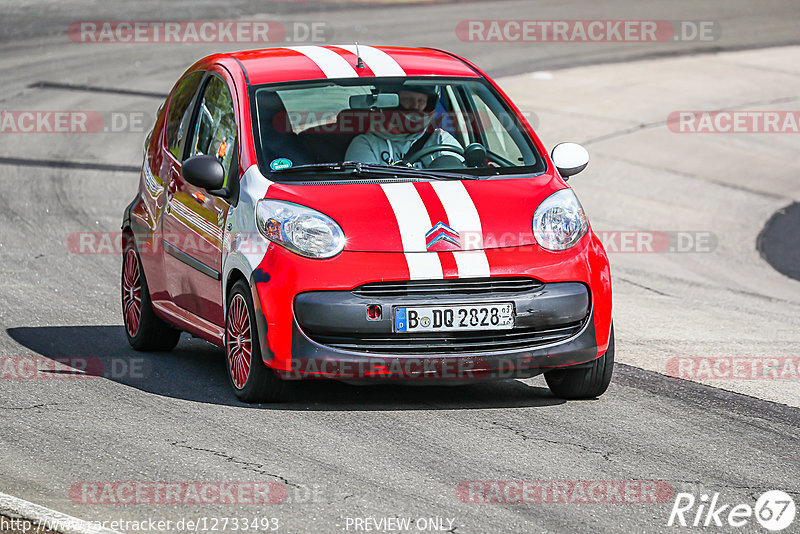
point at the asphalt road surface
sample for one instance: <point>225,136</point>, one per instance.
<point>347,453</point>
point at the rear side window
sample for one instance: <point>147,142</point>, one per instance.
<point>180,112</point>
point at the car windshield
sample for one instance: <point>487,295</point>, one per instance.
<point>430,126</point>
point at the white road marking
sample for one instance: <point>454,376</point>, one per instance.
<point>15,507</point>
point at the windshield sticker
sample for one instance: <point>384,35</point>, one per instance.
<point>280,164</point>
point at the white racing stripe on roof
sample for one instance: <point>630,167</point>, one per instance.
<point>378,61</point>
<point>331,63</point>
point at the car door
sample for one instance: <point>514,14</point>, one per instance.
<point>164,152</point>
<point>194,221</point>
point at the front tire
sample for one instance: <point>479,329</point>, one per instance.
<point>144,330</point>
<point>251,380</point>
<point>586,382</point>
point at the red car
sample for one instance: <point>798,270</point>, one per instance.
<point>363,214</point>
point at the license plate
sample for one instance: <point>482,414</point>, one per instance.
<point>447,318</point>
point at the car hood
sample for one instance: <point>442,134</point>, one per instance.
<point>427,216</point>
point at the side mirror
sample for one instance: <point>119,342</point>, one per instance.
<point>569,159</point>
<point>204,171</point>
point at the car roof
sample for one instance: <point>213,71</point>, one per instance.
<point>297,63</point>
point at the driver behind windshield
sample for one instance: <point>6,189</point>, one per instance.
<point>404,131</point>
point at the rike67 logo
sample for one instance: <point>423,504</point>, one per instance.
<point>774,510</point>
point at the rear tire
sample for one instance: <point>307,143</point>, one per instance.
<point>144,330</point>
<point>251,380</point>
<point>586,382</point>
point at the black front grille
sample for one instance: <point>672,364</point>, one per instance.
<point>450,342</point>
<point>458,286</point>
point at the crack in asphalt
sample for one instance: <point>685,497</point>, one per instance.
<point>588,61</point>
<point>521,433</point>
<point>59,164</point>
<point>663,122</point>
<point>95,89</point>
<point>248,466</point>
<point>735,406</point>
<point>642,286</point>
<point>692,176</point>
<point>44,405</point>
<point>699,285</point>
<point>12,96</point>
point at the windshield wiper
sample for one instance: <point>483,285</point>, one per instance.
<point>359,168</point>
<point>311,167</point>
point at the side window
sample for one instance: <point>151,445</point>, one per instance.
<point>454,119</point>
<point>498,138</point>
<point>180,112</point>
<point>215,129</point>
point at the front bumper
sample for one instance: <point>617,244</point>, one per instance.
<point>332,336</point>
<point>319,361</point>
<point>315,321</point>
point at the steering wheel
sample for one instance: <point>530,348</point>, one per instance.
<point>421,153</point>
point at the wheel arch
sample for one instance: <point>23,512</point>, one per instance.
<point>234,275</point>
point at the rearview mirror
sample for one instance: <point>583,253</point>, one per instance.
<point>204,171</point>
<point>569,159</point>
<point>380,101</point>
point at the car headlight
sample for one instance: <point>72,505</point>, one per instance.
<point>300,229</point>
<point>559,221</point>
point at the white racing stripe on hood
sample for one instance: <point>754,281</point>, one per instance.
<point>331,63</point>
<point>378,61</point>
<point>413,222</point>
<point>472,264</point>
<point>464,218</point>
